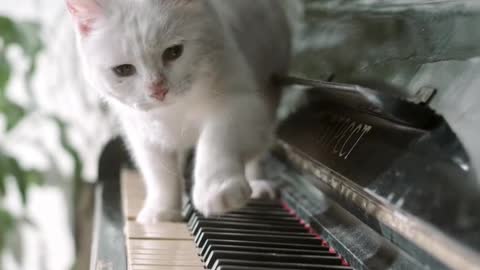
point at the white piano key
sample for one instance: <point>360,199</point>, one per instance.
<point>161,246</point>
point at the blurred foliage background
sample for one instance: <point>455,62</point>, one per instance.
<point>53,127</point>
<point>26,37</point>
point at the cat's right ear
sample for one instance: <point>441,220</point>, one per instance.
<point>85,14</point>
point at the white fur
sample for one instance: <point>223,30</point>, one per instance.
<point>220,98</point>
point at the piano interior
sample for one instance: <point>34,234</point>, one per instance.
<point>369,175</point>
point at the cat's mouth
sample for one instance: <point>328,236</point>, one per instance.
<point>152,103</point>
<point>147,106</point>
<point>159,92</point>
<point>160,95</point>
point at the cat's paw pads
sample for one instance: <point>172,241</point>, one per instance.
<point>262,189</point>
<point>220,197</point>
<point>151,216</point>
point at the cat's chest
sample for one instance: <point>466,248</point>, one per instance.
<point>171,131</point>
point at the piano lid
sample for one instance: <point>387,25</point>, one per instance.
<point>402,154</point>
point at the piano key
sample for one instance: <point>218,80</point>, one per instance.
<point>265,216</point>
<point>253,237</point>
<point>272,268</point>
<point>237,243</point>
<point>172,261</point>
<point>156,267</point>
<point>186,252</point>
<point>274,265</point>
<point>149,244</point>
<point>257,211</point>
<point>246,219</point>
<point>263,202</point>
<point>259,232</point>
<point>291,251</point>
<point>242,243</point>
<point>245,226</point>
<point>249,268</point>
<point>166,231</point>
<point>156,256</point>
<point>272,257</point>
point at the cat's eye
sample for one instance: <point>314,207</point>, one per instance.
<point>126,70</point>
<point>172,53</point>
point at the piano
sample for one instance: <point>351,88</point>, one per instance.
<point>367,180</point>
<point>368,177</point>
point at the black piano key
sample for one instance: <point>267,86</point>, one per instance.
<point>273,265</point>
<point>259,211</point>
<point>247,219</point>
<point>257,232</point>
<point>262,212</point>
<point>286,218</point>
<point>263,202</point>
<point>259,207</point>
<point>203,231</point>
<point>272,257</point>
<point>250,268</point>
<point>272,206</point>
<point>242,243</point>
<point>197,223</point>
<point>290,251</point>
<point>245,226</point>
<point>203,237</point>
<point>187,211</point>
<point>254,215</point>
<point>262,235</point>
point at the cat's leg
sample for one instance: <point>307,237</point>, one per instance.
<point>220,183</point>
<point>261,188</point>
<point>163,183</point>
<point>224,146</point>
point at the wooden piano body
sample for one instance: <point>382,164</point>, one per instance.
<point>380,179</point>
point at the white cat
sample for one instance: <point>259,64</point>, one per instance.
<point>188,73</point>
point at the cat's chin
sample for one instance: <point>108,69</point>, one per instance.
<point>150,106</point>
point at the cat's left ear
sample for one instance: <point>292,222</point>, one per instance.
<point>85,14</point>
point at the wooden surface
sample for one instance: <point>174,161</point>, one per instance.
<point>154,247</point>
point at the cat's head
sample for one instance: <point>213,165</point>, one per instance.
<point>145,54</point>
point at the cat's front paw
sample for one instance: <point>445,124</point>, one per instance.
<point>151,216</point>
<point>262,189</point>
<point>220,197</point>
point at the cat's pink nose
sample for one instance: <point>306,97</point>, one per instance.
<point>158,90</point>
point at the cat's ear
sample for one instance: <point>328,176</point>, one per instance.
<point>85,14</point>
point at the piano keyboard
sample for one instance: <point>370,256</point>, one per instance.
<point>265,235</point>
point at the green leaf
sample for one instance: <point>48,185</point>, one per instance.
<point>3,176</point>
<point>25,34</point>
<point>5,72</point>
<point>67,146</point>
<point>7,225</point>
<point>24,178</point>
<point>19,174</point>
<point>12,112</point>
<point>29,39</point>
<point>8,31</point>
